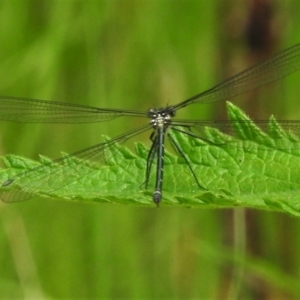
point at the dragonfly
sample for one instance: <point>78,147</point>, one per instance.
<point>161,122</point>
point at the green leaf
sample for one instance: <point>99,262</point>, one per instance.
<point>241,166</point>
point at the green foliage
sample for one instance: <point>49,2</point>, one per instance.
<point>135,54</point>
<point>252,168</point>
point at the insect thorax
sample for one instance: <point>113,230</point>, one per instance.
<point>161,117</point>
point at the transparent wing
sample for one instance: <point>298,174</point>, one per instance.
<point>41,111</point>
<point>60,172</point>
<point>278,66</point>
<point>245,129</point>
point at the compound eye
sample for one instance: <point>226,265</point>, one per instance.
<point>152,113</point>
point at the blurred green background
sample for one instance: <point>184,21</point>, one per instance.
<point>135,55</point>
